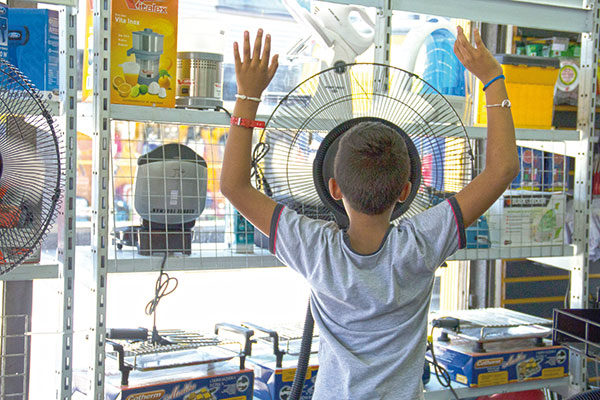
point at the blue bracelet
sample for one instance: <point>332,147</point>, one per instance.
<point>492,81</point>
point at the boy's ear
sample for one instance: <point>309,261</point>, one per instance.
<point>334,189</point>
<point>405,192</point>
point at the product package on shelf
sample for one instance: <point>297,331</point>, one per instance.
<point>503,363</point>
<point>240,233</point>
<point>274,383</point>
<point>143,52</point>
<point>557,168</point>
<point>4,31</point>
<point>531,169</point>
<point>530,82</point>
<point>274,360</point>
<point>525,218</point>
<point>567,84</point>
<point>33,47</point>
<point>224,381</point>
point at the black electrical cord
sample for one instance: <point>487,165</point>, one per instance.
<point>258,154</point>
<point>567,293</point>
<point>161,290</point>
<point>441,373</point>
<point>219,108</point>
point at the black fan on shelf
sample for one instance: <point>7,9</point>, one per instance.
<point>30,168</point>
<point>294,157</point>
<point>301,137</point>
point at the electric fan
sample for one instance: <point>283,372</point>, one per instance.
<point>30,168</point>
<point>300,140</point>
<point>295,155</point>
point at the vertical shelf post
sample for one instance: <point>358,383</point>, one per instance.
<point>579,277</point>
<point>100,192</point>
<point>383,32</point>
<point>66,248</point>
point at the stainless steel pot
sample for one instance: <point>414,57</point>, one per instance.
<point>199,80</point>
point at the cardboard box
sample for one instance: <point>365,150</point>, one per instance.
<point>143,52</point>
<point>33,47</point>
<point>502,363</point>
<point>531,170</point>
<point>557,169</point>
<point>3,31</point>
<point>522,218</point>
<point>273,383</point>
<point>218,381</point>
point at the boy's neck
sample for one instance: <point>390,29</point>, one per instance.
<point>366,232</point>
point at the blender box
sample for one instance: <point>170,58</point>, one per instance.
<point>143,52</point>
<point>33,47</point>
<point>531,169</point>
<point>525,218</point>
<point>274,383</point>
<point>503,362</point>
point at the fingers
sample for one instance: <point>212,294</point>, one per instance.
<point>478,40</point>
<point>236,55</point>
<point>461,45</point>
<point>266,55</point>
<point>273,66</point>
<point>257,45</point>
<point>246,46</point>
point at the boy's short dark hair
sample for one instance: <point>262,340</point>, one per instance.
<point>371,167</point>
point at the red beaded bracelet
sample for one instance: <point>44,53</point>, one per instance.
<point>247,123</point>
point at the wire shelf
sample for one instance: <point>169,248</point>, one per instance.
<point>14,357</point>
<point>579,330</point>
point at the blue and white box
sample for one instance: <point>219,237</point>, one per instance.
<point>3,31</point>
<point>33,47</point>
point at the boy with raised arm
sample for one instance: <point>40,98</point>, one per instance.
<point>370,284</point>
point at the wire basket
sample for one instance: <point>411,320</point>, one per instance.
<point>578,330</point>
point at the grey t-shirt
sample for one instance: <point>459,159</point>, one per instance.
<point>371,310</point>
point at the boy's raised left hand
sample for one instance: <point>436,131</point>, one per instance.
<point>477,59</point>
<point>254,72</point>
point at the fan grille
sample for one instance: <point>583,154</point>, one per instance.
<point>295,131</point>
<point>31,177</point>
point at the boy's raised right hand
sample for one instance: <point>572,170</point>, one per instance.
<point>254,73</point>
<point>478,59</point>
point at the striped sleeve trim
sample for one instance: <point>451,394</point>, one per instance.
<point>460,225</point>
<point>273,230</point>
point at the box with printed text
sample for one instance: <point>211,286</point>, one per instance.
<point>502,363</point>
<point>523,218</point>
<point>215,381</point>
<point>33,47</point>
<point>143,52</point>
<point>275,383</point>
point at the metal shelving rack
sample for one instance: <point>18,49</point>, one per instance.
<point>66,245</point>
<point>568,15</point>
<point>63,266</point>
